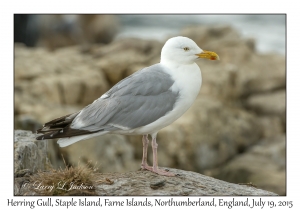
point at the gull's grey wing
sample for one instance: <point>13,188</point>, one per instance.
<point>135,101</point>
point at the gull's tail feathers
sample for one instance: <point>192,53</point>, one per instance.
<point>64,142</point>
<point>60,128</point>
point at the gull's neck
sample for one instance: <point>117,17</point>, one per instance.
<point>174,63</point>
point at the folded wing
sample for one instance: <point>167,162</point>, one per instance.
<point>135,101</point>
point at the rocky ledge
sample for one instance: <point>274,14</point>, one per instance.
<point>34,158</point>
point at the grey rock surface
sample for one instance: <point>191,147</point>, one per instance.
<point>187,183</point>
<point>273,103</point>
<point>28,152</point>
<point>264,165</point>
<point>145,183</point>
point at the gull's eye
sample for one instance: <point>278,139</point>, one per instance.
<point>186,49</point>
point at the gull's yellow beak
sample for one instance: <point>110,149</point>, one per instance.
<point>208,55</point>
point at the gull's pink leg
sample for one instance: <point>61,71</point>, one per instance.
<point>154,150</point>
<point>145,148</point>
<point>155,161</point>
<point>155,168</point>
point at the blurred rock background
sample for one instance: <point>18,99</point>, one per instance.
<point>235,131</point>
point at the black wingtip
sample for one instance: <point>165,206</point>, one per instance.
<point>38,130</point>
<point>40,137</point>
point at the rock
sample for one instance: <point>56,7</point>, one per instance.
<point>23,173</point>
<point>262,74</point>
<point>272,126</point>
<point>28,64</point>
<point>58,31</point>
<point>129,52</point>
<point>61,85</point>
<point>29,153</point>
<point>72,89</point>
<point>263,165</point>
<point>145,183</point>
<point>72,80</point>
<point>268,104</point>
<point>38,107</point>
<point>27,122</point>
<point>98,28</point>
<point>18,186</point>
<point>222,39</point>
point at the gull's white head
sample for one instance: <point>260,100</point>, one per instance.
<point>183,50</point>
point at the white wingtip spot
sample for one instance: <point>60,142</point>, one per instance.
<point>104,96</point>
<point>62,131</point>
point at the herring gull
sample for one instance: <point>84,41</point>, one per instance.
<point>141,104</point>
